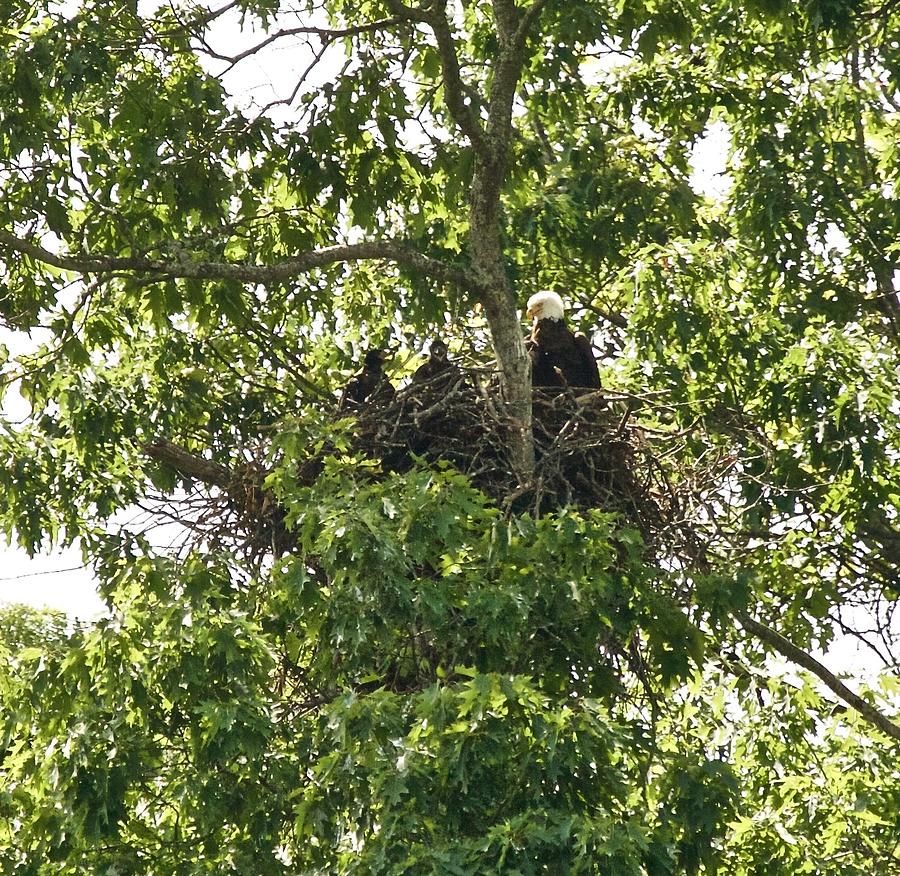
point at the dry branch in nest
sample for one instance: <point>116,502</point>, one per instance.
<point>235,510</point>
<point>590,453</point>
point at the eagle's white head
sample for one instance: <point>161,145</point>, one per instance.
<point>545,305</point>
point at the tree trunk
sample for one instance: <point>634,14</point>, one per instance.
<point>486,246</point>
<point>502,311</point>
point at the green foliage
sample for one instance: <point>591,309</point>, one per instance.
<point>424,681</point>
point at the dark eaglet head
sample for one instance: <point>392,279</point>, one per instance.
<point>375,358</point>
<point>438,350</point>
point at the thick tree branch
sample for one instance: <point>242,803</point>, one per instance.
<point>462,113</point>
<point>190,465</point>
<point>512,30</point>
<point>529,17</point>
<point>506,19</point>
<point>387,250</point>
<point>454,89</point>
<point>883,269</point>
<point>797,655</point>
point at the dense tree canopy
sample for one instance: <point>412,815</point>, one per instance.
<point>350,668</point>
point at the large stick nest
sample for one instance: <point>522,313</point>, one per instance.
<point>590,453</point>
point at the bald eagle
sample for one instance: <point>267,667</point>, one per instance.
<point>371,383</point>
<point>437,364</point>
<point>558,356</point>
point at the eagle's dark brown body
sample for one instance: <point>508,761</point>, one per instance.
<point>370,384</point>
<point>560,357</point>
<point>437,364</point>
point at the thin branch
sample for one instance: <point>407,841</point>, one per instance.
<point>797,655</point>
<point>78,568</point>
<point>888,94</point>
<point>317,57</point>
<point>389,250</point>
<point>859,131</point>
<point>540,132</point>
<point>885,9</point>
<point>325,33</point>
<point>201,20</point>
<point>192,26</point>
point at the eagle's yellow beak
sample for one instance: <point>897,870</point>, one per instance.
<point>532,311</point>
